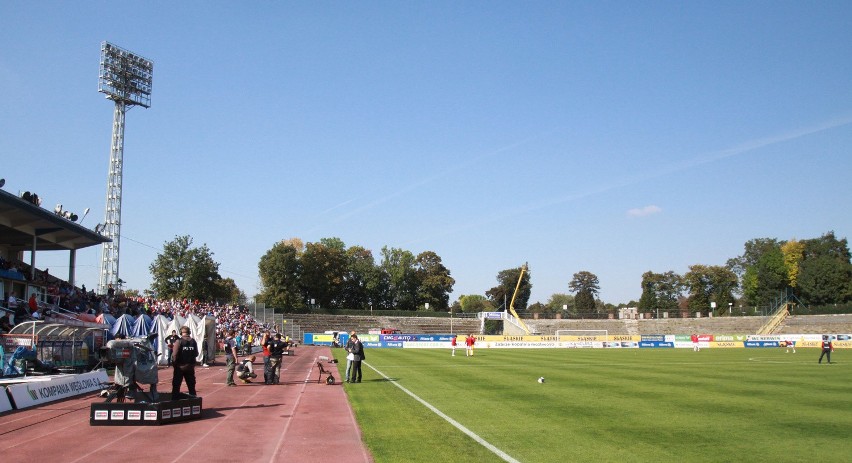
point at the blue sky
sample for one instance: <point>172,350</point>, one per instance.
<point>610,137</point>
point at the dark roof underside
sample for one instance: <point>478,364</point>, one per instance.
<point>21,220</point>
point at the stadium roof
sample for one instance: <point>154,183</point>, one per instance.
<point>20,220</point>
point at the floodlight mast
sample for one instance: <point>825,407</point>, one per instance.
<point>126,79</point>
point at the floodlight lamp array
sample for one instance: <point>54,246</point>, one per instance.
<point>125,76</point>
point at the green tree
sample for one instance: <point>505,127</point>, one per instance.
<point>766,278</point>
<point>280,271</point>
<point>507,281</point>
<point>181,271</point>
<point>361,283</point>
<point>708,284</point>
<point>586,287</point>
<point>825,275</point>
<point>434,282</point>
<point>398,267</point>
<point>558,301</point>
<point>324,268</point>
<point>753,250</point>
<point>474,303</point>
<point>229,293</point>
<point>660,291</point>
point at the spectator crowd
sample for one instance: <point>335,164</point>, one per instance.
<point>62,295</point>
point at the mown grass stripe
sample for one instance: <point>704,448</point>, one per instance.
<point>606,405</point>
<point>453,422</point>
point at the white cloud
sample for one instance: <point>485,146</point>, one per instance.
<point>644,211</point>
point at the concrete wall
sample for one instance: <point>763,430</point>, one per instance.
<point>798,324</point>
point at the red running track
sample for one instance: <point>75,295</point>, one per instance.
<point>299,420</point>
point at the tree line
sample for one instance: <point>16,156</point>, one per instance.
<point>327,274</point>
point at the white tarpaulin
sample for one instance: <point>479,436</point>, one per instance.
<point>201,329</point>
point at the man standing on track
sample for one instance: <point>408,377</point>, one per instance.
<point>264,344</point>
<point>827,348</point>
<point>276,350</point>
<point>358,355</point>
<point>349,344</point>
<point>230,357</point>
<point>184,354</point>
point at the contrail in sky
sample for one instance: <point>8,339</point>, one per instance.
<point>431,179</point>
<point>710,157</point>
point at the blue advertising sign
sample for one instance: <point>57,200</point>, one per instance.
<point>762,344</point>
<point>416,337</point>
<point>655,344</point>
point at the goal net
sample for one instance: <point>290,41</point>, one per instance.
<point>582,335</point>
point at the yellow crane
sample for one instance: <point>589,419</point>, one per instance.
<point>512,304</point>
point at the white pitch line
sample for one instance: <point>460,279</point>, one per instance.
<point>453,422</point>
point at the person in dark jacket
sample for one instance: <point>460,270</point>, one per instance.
<point>358,354</point>
<point>276,351</point>
<point>184,354</point>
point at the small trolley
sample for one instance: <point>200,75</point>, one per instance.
<point>329,379</point>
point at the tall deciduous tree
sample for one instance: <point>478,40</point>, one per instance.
<point>362,282</point>
<point>507,281</point>
<point>324,267</point>
<point>586,287</point>
<point>793,253</point>
<point>558,303</point>
<point>399,268</point>
<point>181,271</point>
<point>708,284</point>
<point>279,271</point>
<point>660,291</point>
<point>434,281</point>
<point>766,279</point>
<point>474,303</point>
<point>753,250</point>
<point>826,272</point>
<point>231,294</point>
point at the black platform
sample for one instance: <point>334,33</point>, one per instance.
<point>183,407</point>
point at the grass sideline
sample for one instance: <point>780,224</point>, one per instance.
<point>605,405</point>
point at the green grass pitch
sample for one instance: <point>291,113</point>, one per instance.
<point>598,405</point>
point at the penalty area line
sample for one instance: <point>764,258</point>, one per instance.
<point>448,419</point>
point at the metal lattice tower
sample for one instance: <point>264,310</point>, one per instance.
<point>126,79</point>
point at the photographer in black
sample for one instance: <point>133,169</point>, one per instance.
<point>276,351</point>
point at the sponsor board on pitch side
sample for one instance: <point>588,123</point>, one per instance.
<point>725,344</point>
<point>651,344</point>
<point>60,387</point>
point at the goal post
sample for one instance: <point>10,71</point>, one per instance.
<point>582,335</point>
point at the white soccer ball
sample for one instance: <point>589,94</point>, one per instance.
<point>541,379</point>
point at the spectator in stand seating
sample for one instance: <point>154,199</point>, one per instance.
<point>33,304</point>
<point>5,325</point>
<point>19,307</point>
